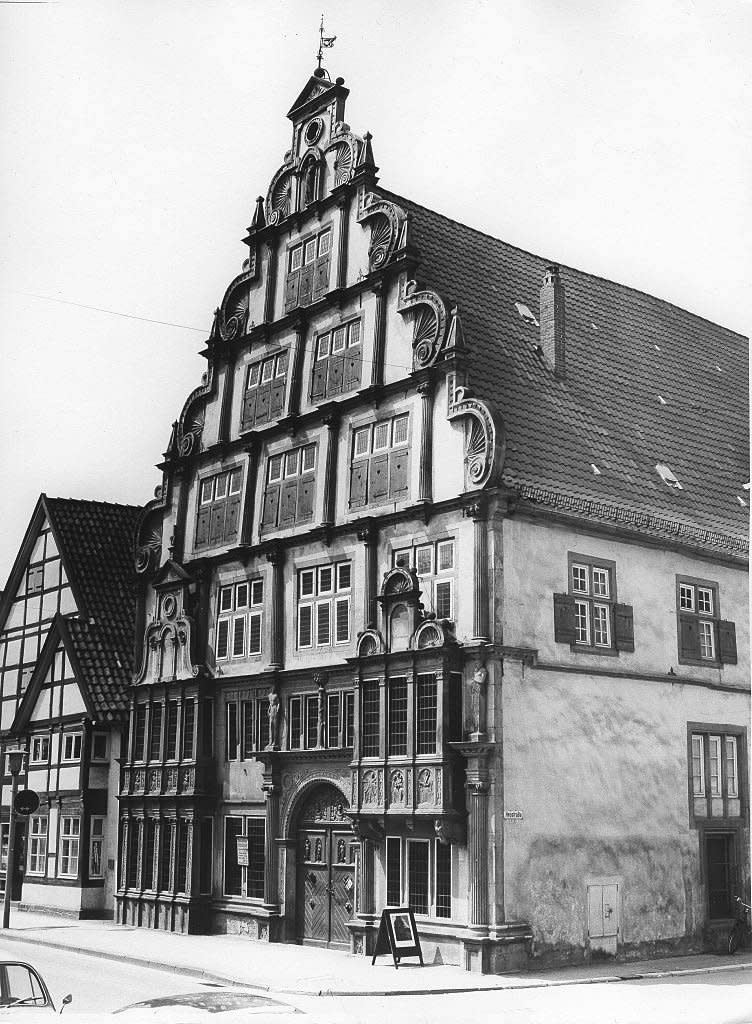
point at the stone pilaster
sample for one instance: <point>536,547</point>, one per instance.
<point>344,234</point>
<point>332,421</point>
<point>293,403</point>
<point>426,392</point>
<point>252,451</point>
<point>276,558</point>
<point>477,512</point>
<point>368,534</point>
<point>228,388</point>
<point>271,281</point>
<point>271,847</point>
<point>379,335</point>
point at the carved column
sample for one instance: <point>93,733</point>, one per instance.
<point>379,334</point>
<point>426,392</point>
<point>368,534</point>
<point>276,558</point>
<point>477,513</point>
<point>271,848</point>
<point>366,895</point>
<point>319,680</point>
<point>332,420</point>
<point>178,542</point>
<point>252,451</point>
<point>344,232</point>
<point>189,887</point>
<point>293,405</point>
<point>477,850</point>
<point>271,281</point>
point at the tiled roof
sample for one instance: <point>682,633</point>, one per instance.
<point>624,349</point>
<point>96,540</point>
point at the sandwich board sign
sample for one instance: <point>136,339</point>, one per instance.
<point>397,935</point>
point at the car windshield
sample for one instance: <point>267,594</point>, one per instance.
<point>20,985</point>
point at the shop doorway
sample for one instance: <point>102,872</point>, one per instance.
<point>326,856</point>
<point>719,859</point>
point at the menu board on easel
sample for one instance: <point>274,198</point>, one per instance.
<point>397,935</point>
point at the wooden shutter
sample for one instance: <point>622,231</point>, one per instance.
<point>318,379</point>
<point>378,478</point>
<point>727,642</point>
<point>624,627</point>
<point>321,277</point>
<point>397,473</point>
<point>292,290</point>
<point>232,517</point>
<point>336,373</point>
<point>217,522</point>
<point>202,527</point>
<point>306,285</point>
<point>358,483</point>
<point>271,506</point>
<point>305,498</point>
<point>352,370</point>
<point>289,502</point>
<point>564,631</point>
<point>689,638</point>
<point>248,417</point>
<point>277,400</point>
<point>263,399</point>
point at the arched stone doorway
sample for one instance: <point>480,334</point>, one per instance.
<point>326,856</point>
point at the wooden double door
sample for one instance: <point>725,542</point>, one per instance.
<point>326,858</point>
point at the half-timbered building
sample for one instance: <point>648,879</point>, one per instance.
<point>66,660</point>
<point>443,598</point>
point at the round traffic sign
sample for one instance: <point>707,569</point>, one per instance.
<point>26,801</point>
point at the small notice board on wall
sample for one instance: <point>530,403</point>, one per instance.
<point>397,935</point>
<point>242,851</point>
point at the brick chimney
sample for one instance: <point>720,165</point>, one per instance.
<point>552,328</point>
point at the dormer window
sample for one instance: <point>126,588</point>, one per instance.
<point>308,269</point>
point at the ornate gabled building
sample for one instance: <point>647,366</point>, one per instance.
<point>443,598</point>
<point>66,662</point>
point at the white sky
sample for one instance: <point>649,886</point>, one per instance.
<point>612,136</point>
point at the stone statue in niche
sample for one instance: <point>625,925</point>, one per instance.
<point>478,701</point>
<point>307,850</point>
<point>319,851</point>
<point>398,788</point>
<point>273,713</point>
<point>341,851</point>
<point>425,786</point>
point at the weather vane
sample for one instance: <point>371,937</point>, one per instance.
<point>325,42</point>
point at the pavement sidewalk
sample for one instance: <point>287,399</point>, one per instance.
<point>307,970</point>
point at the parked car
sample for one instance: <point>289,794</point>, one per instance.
<point>217,1004</point>
<point>22,990</point>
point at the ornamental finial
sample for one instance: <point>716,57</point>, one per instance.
<point>325,43</point>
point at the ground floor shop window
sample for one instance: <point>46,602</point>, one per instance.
<point>419,875</point>
<point>244,856</point>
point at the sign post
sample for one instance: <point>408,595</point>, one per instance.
<point>16,760</point>
<point>397,935</point>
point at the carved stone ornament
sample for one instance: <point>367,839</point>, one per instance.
<point>484,438</point>
<point>345,157</point>
<point>425,786</point>
<point>370,787</point>
<point>433,633</point>
<point>397,788</point>
<point>231,319</point>
<point>430,318</point>
<point>370,642</point>
<point>388,227</point>
<point>167,644</point>
<point>190,425</point>
<point>279,199</point>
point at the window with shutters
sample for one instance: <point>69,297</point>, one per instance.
<point>337,361</point>
<point>289,490</point>
<point>588,617</point>
<point>308,263</point>
<point>218,514</point>
<point>324,597</point>
<point>246,727</point>
<point>717,768</point>
<point>704,638</point>
<point>333,710</point>
<point>378,471</point>
<point>434,564</point>
<point>264,395</point>
<point>239,620</point>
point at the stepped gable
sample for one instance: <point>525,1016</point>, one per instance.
<point>96,540</point>
<point>625,351</point>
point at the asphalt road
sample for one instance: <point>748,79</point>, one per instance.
<point>716,998</point>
